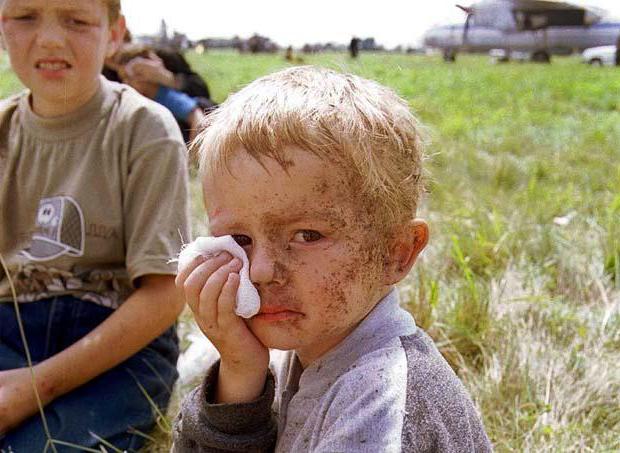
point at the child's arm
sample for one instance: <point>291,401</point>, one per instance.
<point>147,313</point>
<point>195,120</point>
<point>231,410</point>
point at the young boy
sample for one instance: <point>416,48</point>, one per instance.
<point>90,174</point>
<point>317,176</point>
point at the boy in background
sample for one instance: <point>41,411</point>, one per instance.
<point>93,204</point>
<point>317,176</point>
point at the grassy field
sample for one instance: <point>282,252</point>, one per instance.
<point>520,285</point>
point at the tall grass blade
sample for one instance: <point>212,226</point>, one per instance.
<point>162,421</point>
<point>27,350</point>
<point>77,447</point>
<point>105,442</point>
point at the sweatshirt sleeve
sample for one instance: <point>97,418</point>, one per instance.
<point>179,103</point>
<point>202,426</point>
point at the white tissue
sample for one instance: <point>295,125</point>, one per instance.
<point>248,300</point>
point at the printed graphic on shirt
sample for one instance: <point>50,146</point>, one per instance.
<point>59,230</point>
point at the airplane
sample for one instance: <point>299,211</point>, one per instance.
<point>536,28</point>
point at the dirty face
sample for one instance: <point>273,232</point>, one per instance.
<point>314,257</point>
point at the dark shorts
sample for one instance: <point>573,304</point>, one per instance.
<point>112,406</point>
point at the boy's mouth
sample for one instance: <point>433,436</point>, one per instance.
<point>277,313</point>
<point>52,65</point>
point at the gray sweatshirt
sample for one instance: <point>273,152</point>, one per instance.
<point>384,388</point>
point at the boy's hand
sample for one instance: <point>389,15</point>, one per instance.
<point>210,286</point>
<point>17,398</point>
<point>152,70</point>
<point>145,88</point>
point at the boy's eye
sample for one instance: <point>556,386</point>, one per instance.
<point>25,17</point>
<point>307,236</point>
<point>242,239</point>
<point>77,22</point>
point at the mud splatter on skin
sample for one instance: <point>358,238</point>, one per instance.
<point>280,271</point>
<point>349,216</point>
<point>321,188</point>
<point>332,283</point>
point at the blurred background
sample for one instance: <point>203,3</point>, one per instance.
<point>392,23</point>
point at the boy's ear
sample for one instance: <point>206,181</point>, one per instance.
<point>405,246</point>
<point>117,33</point>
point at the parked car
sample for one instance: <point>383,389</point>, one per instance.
<point>600,56</point>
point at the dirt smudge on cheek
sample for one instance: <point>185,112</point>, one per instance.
<point>342,289</point>
<point>281,271</point>
<point>352,287</point>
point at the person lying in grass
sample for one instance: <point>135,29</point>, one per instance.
<point>317,175</point>
<point>90,174</point>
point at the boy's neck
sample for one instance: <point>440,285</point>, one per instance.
<point>50,108</point>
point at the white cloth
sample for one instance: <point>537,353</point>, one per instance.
<point>248,300</point>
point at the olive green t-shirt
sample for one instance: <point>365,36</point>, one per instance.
<point>92,200</point>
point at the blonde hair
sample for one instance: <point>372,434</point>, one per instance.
<point>114,9</point>
<point>362,126</point>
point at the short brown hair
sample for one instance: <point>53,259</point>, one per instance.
<point>114,10</point>
<point>362,126</point>
<point>113,6</point>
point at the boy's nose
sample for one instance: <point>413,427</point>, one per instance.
<point>262,266</point>
<point>50,35</point>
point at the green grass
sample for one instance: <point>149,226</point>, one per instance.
<point>520,285</point>
<point>524,307</point>
<point>9,83</point>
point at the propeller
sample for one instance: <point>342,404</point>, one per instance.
<point>467,9</point>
